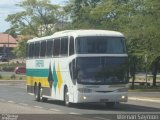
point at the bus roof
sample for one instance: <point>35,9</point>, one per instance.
<point>80,33</point>
<point>88,33</point>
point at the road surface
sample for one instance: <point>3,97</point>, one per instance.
<point>15,100</point>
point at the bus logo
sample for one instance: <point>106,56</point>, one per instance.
<point>39,63</point>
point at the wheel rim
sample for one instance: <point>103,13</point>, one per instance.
<point>41,96</point>
<point>66,98</point>
<point>36,92</point>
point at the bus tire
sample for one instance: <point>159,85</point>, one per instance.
<point>66,97</point>
<point>37,92</point>
<point>42,99</point>
<point>110,104</point>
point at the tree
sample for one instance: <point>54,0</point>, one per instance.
<point>20,50</point>
<point>38,16</point>
<point>139,20</point>
<point>80,13</point>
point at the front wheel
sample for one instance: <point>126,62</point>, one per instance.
<point>42,99</point>
<point>66,98</point>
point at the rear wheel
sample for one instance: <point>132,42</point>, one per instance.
<point>43,99</point>
<point>66,97</point>
<point>37,92</point>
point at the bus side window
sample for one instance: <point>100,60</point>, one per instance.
<point>56,47</point>
<point>31,50</point>
<point>37,49</point>
<point>27,52</point>
<point>43,49</point>
<point>64,46</point>
<point>71,46</point>
<point>49,48</point>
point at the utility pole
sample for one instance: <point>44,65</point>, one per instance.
<point>8,51</point>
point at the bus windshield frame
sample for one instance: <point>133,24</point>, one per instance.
<point>100,45</point>
<point>102,70</point>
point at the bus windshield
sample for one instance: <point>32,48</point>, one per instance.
<point>102,70</point>
<point>100,45</point>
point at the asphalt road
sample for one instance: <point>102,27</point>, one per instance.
<point>15,100</point>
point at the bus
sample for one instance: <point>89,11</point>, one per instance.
<point>78,66</point>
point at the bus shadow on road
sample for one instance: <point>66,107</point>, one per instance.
<point>118,107</point>
<point>55,102</point>
<point>100,106</point>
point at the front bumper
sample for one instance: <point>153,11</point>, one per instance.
<point>101,97</point>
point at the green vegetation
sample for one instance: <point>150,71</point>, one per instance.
<point>13,77</point>
<point>1,76</point>
<point>139,20</point>
<point>142,88</point>
<point>9,67</point>
<point>36,15</point>
<point>20,50</point>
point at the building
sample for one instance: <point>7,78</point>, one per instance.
<point>7,44</point>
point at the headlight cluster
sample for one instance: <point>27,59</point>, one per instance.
<point>122,90</point>
<point>84,90</point>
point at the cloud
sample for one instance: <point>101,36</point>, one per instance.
<point>7,7</point>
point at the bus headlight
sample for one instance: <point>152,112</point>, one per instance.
<point>84,90</point>
<point>123,97</point>
<point>84,97</point>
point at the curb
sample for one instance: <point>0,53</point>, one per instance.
<point>156,100</point>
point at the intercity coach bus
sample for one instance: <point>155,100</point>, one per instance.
<point>78,66</point>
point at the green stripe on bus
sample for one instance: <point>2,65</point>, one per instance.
<point>37,72</point>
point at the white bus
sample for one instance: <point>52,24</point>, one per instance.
<point>78,66</point>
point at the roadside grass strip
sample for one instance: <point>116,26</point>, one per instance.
<point>145,99</point>
<point>54,110</point>
<point>100,118</point>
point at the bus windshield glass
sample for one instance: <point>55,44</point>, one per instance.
<point>100,45</point>
<point>102,70</point>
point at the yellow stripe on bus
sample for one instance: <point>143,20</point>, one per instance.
<point>44,81</point>
<point>60,81</point>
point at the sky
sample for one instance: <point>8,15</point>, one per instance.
<point>8,7</point>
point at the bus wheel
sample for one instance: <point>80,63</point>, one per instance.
<point>110,104</point>
<point>66,98</point>
<point>37,93</point>
<point>43,99</point>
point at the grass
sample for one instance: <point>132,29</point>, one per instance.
<point>13,77</point>
<point>140,85</point>
<point>143,88</point>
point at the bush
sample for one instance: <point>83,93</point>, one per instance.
<point>1,76</point>
<point>10,67</point>
<point>20,78</point>
<point>13,76</point>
